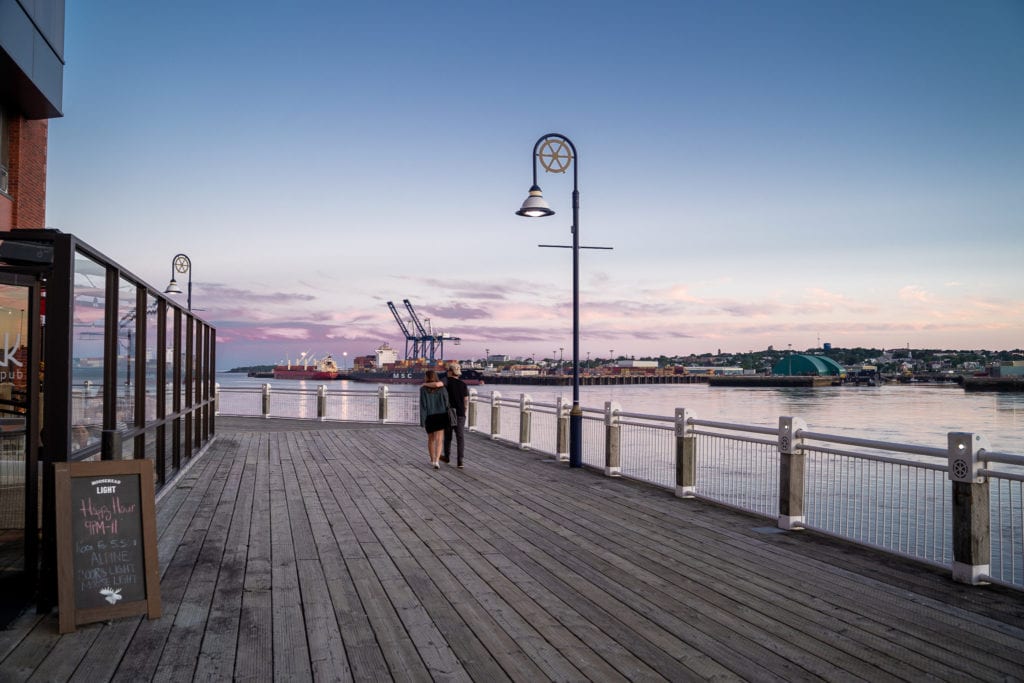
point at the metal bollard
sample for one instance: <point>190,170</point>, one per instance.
<point>266,400</point>
<point>321,402</point>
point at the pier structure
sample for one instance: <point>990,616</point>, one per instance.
<point>302,550</point>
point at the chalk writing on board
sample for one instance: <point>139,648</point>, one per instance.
<point>106,533</point>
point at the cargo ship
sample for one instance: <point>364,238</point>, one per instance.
<point>409,375</point>
<point>385,368</point>
<point>308,368</point>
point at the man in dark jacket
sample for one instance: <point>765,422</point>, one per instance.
<point>458,398</point>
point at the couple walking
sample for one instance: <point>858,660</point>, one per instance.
<point>436,398</point>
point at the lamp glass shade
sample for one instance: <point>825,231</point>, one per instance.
<point>173,288</point>
<point>535,206</point>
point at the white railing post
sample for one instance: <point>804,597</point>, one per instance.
<point>524,421</point>
<point>686,455</point>
<point>382,403</point>
<point>471,416</point>
<point>970,508</point>
<point>612,439</point>
<point>216,398</point>
<point>495,415</point>
<point>562,430</point>
<point>791,473</point>
<point>266,400</point>
<point>321,402</point>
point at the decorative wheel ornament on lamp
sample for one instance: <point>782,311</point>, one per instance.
<point>181,264</point>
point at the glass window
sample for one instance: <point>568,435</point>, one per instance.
<point>14,375</point>
<point>151,356</point>
<point>126,353</point>
<point>169,358</point>
<point>87,353</point>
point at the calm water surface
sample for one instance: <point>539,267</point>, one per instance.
<point>919,414</point>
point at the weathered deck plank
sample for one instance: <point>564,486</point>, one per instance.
<point>300,551</point>
<point>254,657</point>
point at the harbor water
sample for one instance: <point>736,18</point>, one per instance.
<point>914,413</point>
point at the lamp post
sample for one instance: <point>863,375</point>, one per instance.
<point>181,264</point>
<point>556,153</point>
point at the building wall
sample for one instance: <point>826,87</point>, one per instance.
<point>31,91</point>
<point>25,205</point>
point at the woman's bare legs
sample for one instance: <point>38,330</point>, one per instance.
<point>435,446</point>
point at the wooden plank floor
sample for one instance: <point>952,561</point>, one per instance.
<point>301,551</point>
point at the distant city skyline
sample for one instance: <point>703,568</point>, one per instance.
<point>767,173</point>
<point>588,358</point>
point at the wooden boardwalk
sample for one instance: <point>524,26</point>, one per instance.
<point>297,551</point>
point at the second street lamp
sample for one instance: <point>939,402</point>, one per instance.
<point>556,153</point>
<point>181,264</point>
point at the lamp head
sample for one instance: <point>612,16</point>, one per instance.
<point>173,287</point>
<point>535,206</point>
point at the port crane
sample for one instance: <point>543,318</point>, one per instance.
<point>410,339</point>
<point>425,343</point>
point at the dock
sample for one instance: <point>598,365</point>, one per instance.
<point>594,380</point>
<point>303,550</point>
<point>773,381</point>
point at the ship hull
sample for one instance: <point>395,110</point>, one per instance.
<point>399,377</point>
<point>396,377</point>
<point>299,373</point>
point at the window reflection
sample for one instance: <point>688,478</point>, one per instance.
<point>87,352</point>
<point>14,374</point>
<point>151,357</point>
<point>126,354</point>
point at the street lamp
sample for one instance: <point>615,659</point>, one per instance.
<point>181,264</point>
<point>556,153</point>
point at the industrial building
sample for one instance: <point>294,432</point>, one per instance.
<point>802,365</point>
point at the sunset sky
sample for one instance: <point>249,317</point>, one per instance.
<point>768,173</point>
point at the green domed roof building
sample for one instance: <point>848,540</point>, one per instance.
<point>802,365</point>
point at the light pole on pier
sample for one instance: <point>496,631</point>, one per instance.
<point>556,153</point>
<point>181,264</point>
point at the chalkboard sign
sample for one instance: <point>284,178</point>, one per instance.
<point>106,541</point>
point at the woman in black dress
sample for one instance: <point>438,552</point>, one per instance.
<point>433,414</point>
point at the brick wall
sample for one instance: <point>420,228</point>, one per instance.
<point>27,181</point>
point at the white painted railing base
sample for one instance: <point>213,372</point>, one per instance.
<point>973,574</point>
<point>686,491</point>
<point>791,522</point>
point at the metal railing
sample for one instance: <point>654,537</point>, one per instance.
<point>959,507</point>
<point>379,406</point>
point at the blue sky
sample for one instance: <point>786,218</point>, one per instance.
<point>768,173</point>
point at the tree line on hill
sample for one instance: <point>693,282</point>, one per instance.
<point>884,359</point>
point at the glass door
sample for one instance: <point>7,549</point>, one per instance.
<point>19,479</point>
